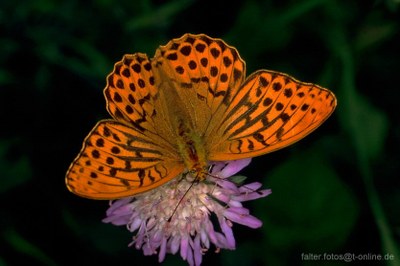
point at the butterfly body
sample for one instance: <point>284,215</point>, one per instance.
<point>189,140</point>
<point>189,105</point>
<point>191,149</point>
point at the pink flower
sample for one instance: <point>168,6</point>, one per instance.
<point>176,216</point>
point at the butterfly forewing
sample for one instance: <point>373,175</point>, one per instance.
<point>271,111</point>
<point>204,73</point>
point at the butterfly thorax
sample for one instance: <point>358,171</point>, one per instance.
<point>191,149</point>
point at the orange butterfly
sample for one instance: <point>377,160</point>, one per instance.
<point>189,105</point>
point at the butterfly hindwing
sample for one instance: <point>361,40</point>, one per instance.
<point>118,161</point>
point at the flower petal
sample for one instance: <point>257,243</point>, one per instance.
<point>242,217</point>
<point>252,196</point>
<point>184,247</point>
<point>163,249</point>
<point>197,250</point>
<point>227,230</point>
<point>234,166</point>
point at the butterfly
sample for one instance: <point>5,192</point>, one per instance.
<point>189,105</point>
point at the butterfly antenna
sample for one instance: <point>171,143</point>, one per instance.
<point>181,199</point>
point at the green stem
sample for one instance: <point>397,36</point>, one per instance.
<point>356,131</point>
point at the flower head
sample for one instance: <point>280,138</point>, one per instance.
<point>176,217</point>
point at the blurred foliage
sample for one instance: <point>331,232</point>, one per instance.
<point>336,191</point>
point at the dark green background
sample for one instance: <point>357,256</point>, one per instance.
<point>336,191</point>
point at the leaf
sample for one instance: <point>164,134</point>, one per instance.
<point>368,125</point>
<point>309,205</point>
<point>13,173</point>
<point>25,247</point>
